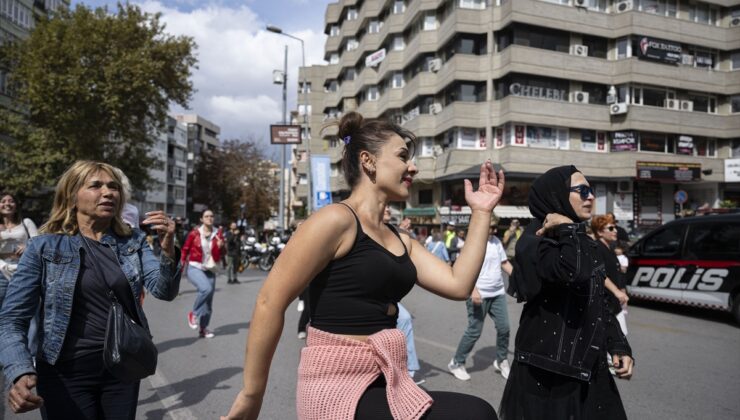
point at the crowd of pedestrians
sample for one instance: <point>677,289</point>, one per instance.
<point>349,267</point>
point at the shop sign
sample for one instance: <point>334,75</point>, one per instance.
<point>519,89</point>
<point>320,180</point>
<point>667,171</point>
<point>459,215</point>
<point>375,58</point>
<point>499,137</point>
<point>624,141</point>
<point>732,170</point>
<point>685,145</point>
<point>661,50</point>
<point>623,206</point>
<point>600,141</point>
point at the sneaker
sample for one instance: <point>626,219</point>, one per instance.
<point>192,321</point>
<point>302,335</point>
<point>205,333</point>
<point>419,381</point>
<point>502,367</point>
<point>301,306</point>
<point>458,370</point>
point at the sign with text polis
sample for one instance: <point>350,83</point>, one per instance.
<point>320,180</point>
<point>285,134</point>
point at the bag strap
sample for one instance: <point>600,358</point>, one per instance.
<point>28,234</point>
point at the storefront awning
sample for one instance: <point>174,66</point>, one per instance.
<point>420,211</point>
<point>511,212</point>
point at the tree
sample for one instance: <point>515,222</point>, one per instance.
<point>235,174</point>
<point>90,85</point>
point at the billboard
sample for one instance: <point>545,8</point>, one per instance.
<point>320,181</point>
<point>669,171</point>
<point>285,134</point>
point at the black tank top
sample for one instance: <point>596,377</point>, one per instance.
<point>358,293</point>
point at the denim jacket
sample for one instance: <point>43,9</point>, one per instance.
<point>47,274</point>
<point>565,328</point>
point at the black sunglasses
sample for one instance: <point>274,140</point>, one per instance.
<point>583,190</point>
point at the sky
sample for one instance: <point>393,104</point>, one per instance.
<point>236,56</point>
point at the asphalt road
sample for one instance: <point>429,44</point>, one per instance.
<point>687,361</point>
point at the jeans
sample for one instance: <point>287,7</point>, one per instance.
<point>495,307</point>
<point>82,389</point>
<point>205,282</point>
<point>232,264</point>
<point>404,324</point>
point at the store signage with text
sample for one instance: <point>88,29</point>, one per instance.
<point>375,58</point>
<point>518,89</point>
<point>685,145</point>
<point>668,171</point>
<point>624,141</point>
<point>732,170</point>
<point>661,50</point>
<point>285,134</point>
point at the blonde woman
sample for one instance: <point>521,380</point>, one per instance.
<point>84,236</point>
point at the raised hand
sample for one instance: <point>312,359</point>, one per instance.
<point>490,189</point>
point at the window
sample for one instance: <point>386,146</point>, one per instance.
<point>713,241</point>
<point>352,44</point>
<point>547,137</point>
<point>303,108</point>
<point>397,80</point>
<point>704,103</point>
<point>735,104</point>
<point>349,74</point>
<point>703,13</point>
<point>351,13</point>
<point>399,6</point>
<point>374,26</point>
<point>334,58</point>
<point>302,179</point>
<point>427,146</point>
<point>705,147</point>
<point>624,48</point>
<point>735,60</point>
<point>597,46</point>
<point>599,5</point>
<point>735,148</point>
<point>665,243</point>
<point>472,4</point>
<point>593,141</point>
<point>658,7</point>
<point>470,138</point>
<point>305,87</point>
<point>305,133</point>
<point>430,21</point>
<point>650,96</point>
<point>426,197</point>
<point>372,93</point>
<point>334,30</point>
<point>656,142</point>
<point>398,44</point>
<point>538,37</point>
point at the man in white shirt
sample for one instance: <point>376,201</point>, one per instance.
<point>488,298</point>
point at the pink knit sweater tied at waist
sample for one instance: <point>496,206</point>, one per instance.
<point>335,371</point>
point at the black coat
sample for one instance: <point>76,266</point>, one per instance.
<point>565,327</point>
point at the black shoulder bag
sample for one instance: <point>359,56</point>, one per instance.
<point>128,350</point>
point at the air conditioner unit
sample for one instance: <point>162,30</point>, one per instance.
<point>672,104</point>
<point>435,108</point>
<point>580,50</point>
<point>435,65</point>
<point>623,6</point>
<point>687,106</point>
<point>624,187</point>
<point>579,97</point>
<point>619,108</point>
<point>735,21</point>
<point>580,3</point>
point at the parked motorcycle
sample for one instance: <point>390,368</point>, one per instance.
<point>252,251</point>
<point>277,243</point>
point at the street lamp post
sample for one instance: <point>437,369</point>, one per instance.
<point>283,79</point>
<point>304,90</point>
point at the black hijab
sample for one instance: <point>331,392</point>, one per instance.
<point>550,193</point>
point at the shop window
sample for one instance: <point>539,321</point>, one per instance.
<point>547,137</point>
<point>654,142</point>
<point>593,141</point>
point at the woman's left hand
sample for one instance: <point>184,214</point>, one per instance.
<point>490,189</point>
<point>165,227</point>
<point>623,366</point>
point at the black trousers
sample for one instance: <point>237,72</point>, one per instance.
<point>373,405</point>
<point>82,389</point>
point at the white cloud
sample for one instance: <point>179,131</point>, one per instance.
<point>236,57</point>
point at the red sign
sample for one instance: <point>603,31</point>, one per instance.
<point>600,140</point>
<point>518,134</point>
<point>499,137</point>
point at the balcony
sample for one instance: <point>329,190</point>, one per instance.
<point>464,20</point>
<point>461,114</point>
<point>422,126</point>
<point>549,112</point>
<point>680,77</point>
<point>649,118</point>
<point>521,59</point>
<point>333,13</point>
<point>464,67</point>
<point>424,83</point>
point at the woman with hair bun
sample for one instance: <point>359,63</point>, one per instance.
<point>357,269</point>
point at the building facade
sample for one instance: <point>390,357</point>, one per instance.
<point>202,135</point>
<point>643,96</point>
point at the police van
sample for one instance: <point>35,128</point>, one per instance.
<point>691,261</point>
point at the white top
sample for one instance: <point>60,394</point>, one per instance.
<point>205,244</point>
<point>623,260</point>
<point>490,282</point>
<point>11,238</point>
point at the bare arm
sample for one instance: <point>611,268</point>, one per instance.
<point>619,294</point>
<point>507,267</point>
<point>457,282</point>
<point>333,229</point>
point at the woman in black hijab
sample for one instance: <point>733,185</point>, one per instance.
<point>559,369</point>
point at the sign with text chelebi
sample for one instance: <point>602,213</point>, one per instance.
<point>285,134</point>
<point>375,58</point>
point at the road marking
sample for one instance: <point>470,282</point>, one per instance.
<point>169,398</point>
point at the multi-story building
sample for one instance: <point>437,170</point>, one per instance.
<point>643,96</point>
<point>202,135</point>
<point>17,19</point>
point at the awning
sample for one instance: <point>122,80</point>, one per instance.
<point>420,211</point>
<point>512,212</point>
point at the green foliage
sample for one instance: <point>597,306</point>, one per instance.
<point>237,173</point>
<point>90,85</point>
<point>728,204</point>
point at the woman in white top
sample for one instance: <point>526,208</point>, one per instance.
<point>15,231</point>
